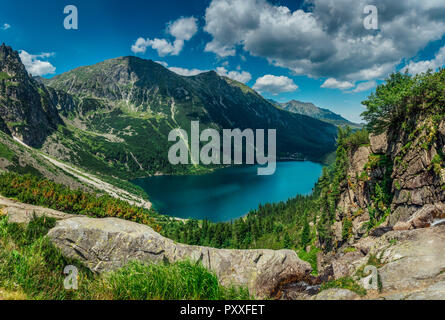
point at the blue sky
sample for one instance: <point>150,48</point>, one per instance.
<point>313,51</point>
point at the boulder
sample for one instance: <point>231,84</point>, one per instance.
<point>379,143</point>
<point>433,292</point>
<point>423,218</point>
<point>107,244</point>
<point>412,260</point>
<point>336,294</point>
<point>23,213</point>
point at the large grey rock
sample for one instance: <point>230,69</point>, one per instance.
<point>23,213</point>
<point>423,218</point>
<point>337,294</point>
<point>433,292</point>
<point>108,244</point>
<point>412,259</point>
<point>379,144</point>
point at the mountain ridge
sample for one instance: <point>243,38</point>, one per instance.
<point>311,110</point>
<point>95,117</point>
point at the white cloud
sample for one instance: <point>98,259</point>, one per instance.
<point>328,41</point>
<point>364,86</point>
<point>423,66</point>
<point>242,76</point>
<point>182,30</point>
<point>186,72</point>
<point>6,26</point>
<point>140,46</point>
<point>35,66</point>
<point>275,85</point>
<point>162,46</point>
<point>332,83</point>
<point>162,63</point>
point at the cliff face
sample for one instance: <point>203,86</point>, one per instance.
<point>390,181</point>
<point>26,110</point>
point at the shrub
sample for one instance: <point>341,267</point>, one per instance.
<point>344,283</point>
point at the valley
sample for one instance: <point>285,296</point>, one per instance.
<point>70,146</point>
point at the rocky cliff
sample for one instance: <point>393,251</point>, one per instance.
<point>390,213</point>
<point>26,109</point>
<point>400,174</point>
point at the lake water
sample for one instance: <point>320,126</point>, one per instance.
<point>228,193</point>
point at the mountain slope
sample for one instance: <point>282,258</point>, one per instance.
<point>311,110</point>
<point>119,113</point>
<point>26,110</point>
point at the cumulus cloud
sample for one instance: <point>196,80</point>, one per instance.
<point>6,26</point>
<point>423,66</point>
<point>241,76</point>
<point>332,83</point>
<point>329,40</point>
<point>186,72</point>
<point>35,66</point>
<point>182,30</point>
<point>364,86</point>
<point>274,84</point>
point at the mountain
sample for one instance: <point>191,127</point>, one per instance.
<point>26,110</point>
<point>311,110</point>
<point>113,118</point>
<point>112,106</point>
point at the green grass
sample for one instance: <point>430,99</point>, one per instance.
<point>32,266</point>
<point>182,280</point>
<point>344,283</point>
<point>6,153</point>
<point>310,257</point>
<point>4,76</point>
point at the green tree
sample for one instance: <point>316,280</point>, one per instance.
<point>388,104</point>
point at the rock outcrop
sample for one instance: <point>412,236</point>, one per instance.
<point>410,265</point>
<point>409,167</point>
<point>26,110</point>
<point>18,212</point>
<point>107,244</point>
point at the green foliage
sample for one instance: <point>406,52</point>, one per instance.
<point>274,226</point>
<point>380,208</point>
<point>347,229</point>
<point>30,263</point>
<point>4,76</point>
<point>6,153</point>
<point>396,103</point>
<point>305,234</point>
<point>37,191</point>
<point>179,281</point>
<point>344,283</point>
<point>437,163</point>
<point>388,104</point>
<point>310,257</point>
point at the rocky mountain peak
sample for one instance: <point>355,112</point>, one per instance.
<point>26,110</point>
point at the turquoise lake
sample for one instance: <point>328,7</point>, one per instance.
<point>228,193</point>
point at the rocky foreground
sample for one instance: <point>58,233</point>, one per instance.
<point>412,261</point>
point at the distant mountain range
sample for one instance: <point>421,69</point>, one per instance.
<point>113,118</point>
<point>311,110</point>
